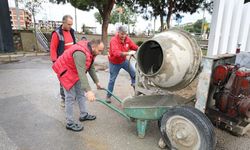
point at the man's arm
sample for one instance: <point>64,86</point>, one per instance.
<point>132,45</point>
<point>80,62</point>
<point>92,74</point>
<point>53,46</point>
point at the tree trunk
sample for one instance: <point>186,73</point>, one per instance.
<point>170,8</point>
<point>162,23</point>
<point>168,19</point>
<point>162,6</point>
<point>105,13</point>
<point>105,32</point>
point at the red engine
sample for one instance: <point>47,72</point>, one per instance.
<point>233,90</point>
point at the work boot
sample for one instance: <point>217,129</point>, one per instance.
<point>62,103</point>
<point>108,99</point>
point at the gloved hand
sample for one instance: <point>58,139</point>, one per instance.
<point>131,52</point>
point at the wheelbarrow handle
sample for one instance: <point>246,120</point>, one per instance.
<point>115,108</point>
<point>116,98</point>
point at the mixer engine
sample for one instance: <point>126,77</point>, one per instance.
<point>233,90</point>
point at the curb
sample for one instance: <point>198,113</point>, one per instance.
<point>13,57</point>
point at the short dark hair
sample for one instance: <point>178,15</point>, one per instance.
<point>65,17</point>
<point>84,38</point>
<point>95,42</point>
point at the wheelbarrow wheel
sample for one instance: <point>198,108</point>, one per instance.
<point>185,128</point>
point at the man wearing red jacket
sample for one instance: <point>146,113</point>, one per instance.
<point>71,68</point>
<point>62,39</point>
<point>120,45</point>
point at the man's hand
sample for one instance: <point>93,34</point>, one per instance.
<point>98,86</point>
<point>128,53</point>
<point>131,52</point>
<point>90,96</point>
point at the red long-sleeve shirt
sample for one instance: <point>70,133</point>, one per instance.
<point>117,47</point>
<point>68,42</point>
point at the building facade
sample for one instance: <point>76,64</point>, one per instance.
<point>24,16</point>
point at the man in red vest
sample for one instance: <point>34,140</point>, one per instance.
<point>62,39</point>
<point>119,48</point>
<point>71,68</point>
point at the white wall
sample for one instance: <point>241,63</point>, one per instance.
<point>230,26</point>
<point>244,27</point>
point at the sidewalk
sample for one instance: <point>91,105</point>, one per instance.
<point>10,57</point>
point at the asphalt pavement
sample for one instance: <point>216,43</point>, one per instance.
<point>31,117</point>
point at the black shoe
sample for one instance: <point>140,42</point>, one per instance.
<point>87,117</point>
<point>74,127</point>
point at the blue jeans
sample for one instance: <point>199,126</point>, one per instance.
<point>114,71</point>
<point>70,95</point>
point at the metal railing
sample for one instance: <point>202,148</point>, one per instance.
<point>42,40</point>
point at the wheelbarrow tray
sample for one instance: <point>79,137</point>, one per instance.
<point>149,107</point>
<point>144,108</point>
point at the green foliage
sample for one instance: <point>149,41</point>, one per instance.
<point>195,27</point>
<point>185,6</point>
<point>103,6</point>
<point>139,43</point>
<point>98,17</point>
<point>189,28</point>
<point>87,5</point>
<point>169,7</point>
<point>158,7</point>
<point>126,17</point>
<point>208,5</point>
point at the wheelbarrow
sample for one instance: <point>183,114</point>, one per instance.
<point>143,108</point>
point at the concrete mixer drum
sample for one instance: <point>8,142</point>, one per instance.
<point>166,64</point>
<point>169,61</point>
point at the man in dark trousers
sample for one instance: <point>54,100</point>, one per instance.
<point>119,48</point>
<point>71,68</point>
<point>62,39</point>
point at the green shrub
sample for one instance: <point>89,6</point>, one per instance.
<point>139,43</point>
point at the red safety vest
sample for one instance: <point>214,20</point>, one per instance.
<point>117,47</point>
<point>65,67</point>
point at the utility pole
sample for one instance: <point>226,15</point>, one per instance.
<point>17,14</point>
<point>203,22</point>
<point>75,20</point>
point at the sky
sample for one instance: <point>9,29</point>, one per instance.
<point>55,12</point>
